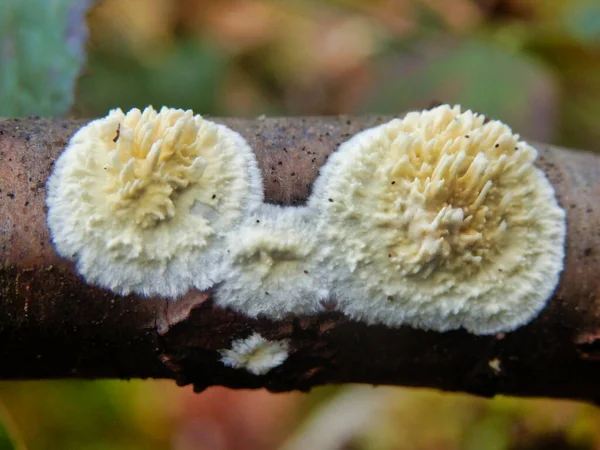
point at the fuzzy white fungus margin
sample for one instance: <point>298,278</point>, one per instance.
<point>255,354</point>
<point>440,221</point>
<point>271,262</point>
<point>141,201</point>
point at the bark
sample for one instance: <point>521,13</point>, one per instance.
<point>54,325</point>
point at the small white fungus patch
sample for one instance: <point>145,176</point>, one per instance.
<point>440,221</point>
<point>255,354</point>
<point>271,265</point>
<point>141,200</point>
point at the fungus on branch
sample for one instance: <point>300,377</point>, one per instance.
<point>255,354</point>
<point>271,262</point>
<point>440,221</point>
<point>141,200</point>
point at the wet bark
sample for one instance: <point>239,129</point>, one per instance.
<point>54,325</point>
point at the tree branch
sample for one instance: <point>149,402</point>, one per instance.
<point>54,325</point>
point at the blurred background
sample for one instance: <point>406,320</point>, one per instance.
<point>532,63</point>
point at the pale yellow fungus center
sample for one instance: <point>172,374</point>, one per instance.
<point>447,188</point>
<point>154,157</point>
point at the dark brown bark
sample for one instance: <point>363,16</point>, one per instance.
<point>54,325</point>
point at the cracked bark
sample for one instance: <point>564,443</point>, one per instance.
<point>54,325</point>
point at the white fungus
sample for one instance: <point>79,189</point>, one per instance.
<point>440,221</point>
<point>255,354</point>
<point>141,201</point>
<point>271,264</point>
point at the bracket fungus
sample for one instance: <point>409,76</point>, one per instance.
<point>270,265</point>
<point>141,201</point>
<point>440,221</point>
<point>255,354</point>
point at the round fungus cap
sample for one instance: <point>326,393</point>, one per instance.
<point>141,200</point>
<point>255,354</point>
<point>440,221</point>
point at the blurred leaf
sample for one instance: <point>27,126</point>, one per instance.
<point>488,434</point>
<point>582,21</point>
<point>5,439</point>
<point>579,111</point>
<point>187,76</point>
<point>478,75</point>
<point>80,415</point>
<point>41,53</point>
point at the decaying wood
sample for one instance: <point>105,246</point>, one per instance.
<point>54,325</point>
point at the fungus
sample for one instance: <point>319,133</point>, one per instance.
<point>255,354</point>
<point>141,201</point>
<point>270,259</point>
<point>440,221</point>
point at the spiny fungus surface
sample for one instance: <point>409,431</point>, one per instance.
<point>141,200</point>
<point>255,354</point>
<point>270,265</point>
<point>440,220</point>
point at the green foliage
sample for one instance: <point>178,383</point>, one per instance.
<point>478,74</point>
<point>41,53</point>
<point>582,22</point>
<point>6,442</point>
<point>188,76</point>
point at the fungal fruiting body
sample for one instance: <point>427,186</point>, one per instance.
<point>142,200</point>
<point>440,221</point>
<point>255,354</point>
<point>270,265</point>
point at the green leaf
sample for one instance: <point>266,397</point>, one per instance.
<point>582,22</point>
<point>188,76</point>
<point>41,54</point>
<point>479,75</point>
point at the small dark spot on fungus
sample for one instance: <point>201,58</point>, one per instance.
<point>214,196</point>
<point>467,136</point>
<point>390,298</point>
<point>293,173</point>
<point>393,182</point>
<point>587,251</point>
<point>11,195</point>
<point>306,272</point>
<point>497,145</point>
<point>266,293</point>
<point>257,221</point>
<point>118,133</point>
<point>389,255</point>
<point>330,199</point>
<point>279,162</point>
<point>26,203</point>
